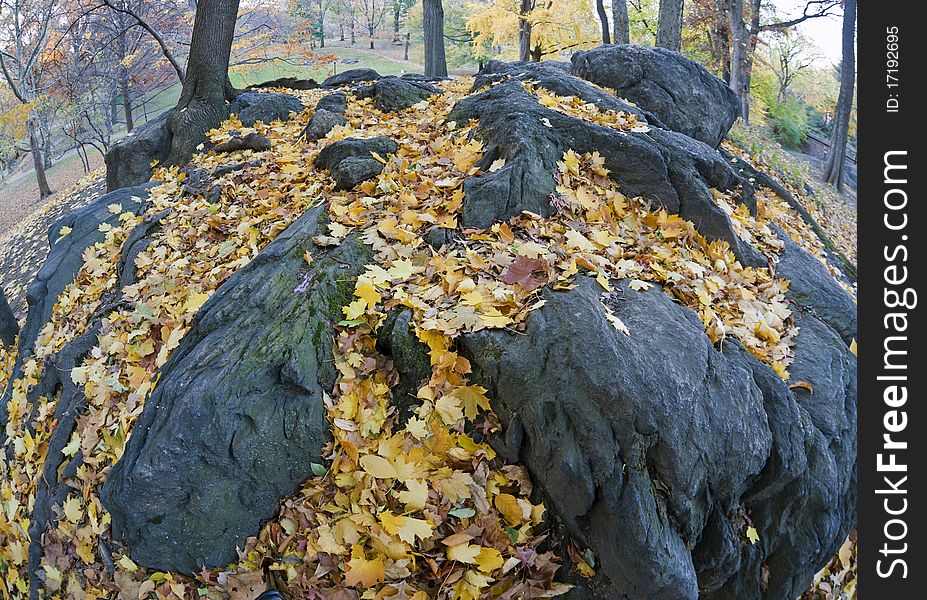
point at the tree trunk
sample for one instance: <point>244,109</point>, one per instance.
<point>38,162</point>
<point>405,50</point>
<point>620,24</point>
<point>833,167</point>
<point>603,19</point>
<point>433,26</point>
<point>9,326</point>
<point>127,105</point>
<point>524,30</point>
<point>722,39</point>
<point>204,100</point>
<point>739,49</point>
<point>397,13</point>
<point>669,25</point>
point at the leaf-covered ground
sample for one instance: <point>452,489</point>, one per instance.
<point>424,509</point>
<point>23,249</point>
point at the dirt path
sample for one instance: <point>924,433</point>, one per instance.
<point>19,197</point>
<point>24,238</point>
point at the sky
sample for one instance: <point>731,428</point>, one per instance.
<point>824,32</point>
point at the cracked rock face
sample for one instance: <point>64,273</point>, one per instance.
<point>237,417</point>
<point>671,169</point>
<point>128,162</point>
<point>252,107</point>
<point>351,160</point>
<point>654,449</point>
<point>680,92</point>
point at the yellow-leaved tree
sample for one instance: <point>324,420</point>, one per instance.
<point>534,29</point>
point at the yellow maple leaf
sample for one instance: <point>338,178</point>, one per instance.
<point>415,496</point>
<point>407,528</point>
<point>378,467</point>
<point>72,509</point>
<point>465,553</point>
<point>363,572</point>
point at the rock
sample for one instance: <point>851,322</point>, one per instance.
<point>64,260</point>
<point>391,94</point>
<point>321,123</point>
<point>351,76</point>
<point>673,170</point>
<point>815,290</point>
<point>335,102</point>
<point>293,83</point>
<point>128,162</point>
<point>252,141</point>
<point>252,107</point>
<point>351,160</point>
<point>237,418</point>
<point>9,326</point>
<point>654,449</point>
<point>679,91</point>
<point>555,77</point>
<point>632,440</point>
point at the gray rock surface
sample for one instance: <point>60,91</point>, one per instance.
<point>679,91</point>
<point>391,94</point>
<point>555,77</point>
<point>9,326</point>
<point>815,290</point>
<point>128,162</point>
<point>237,417</point>
<point>64,260</point>
<point>252,107</point>
<point>669,168</point>
<point>655,449</point>
<point>293,83</point>
<point>351,76</point>
<point>321,122</point>
<point>335,102</point>
<point>351,161</point>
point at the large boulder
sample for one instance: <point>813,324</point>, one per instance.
<point>679,91</point>
<point>351,160</point>
<point>351,76</point>
<point>391,94</point>
<point>293,83</point>
<point>555,77</point>
<point>237,417</point>
<point>128,162</point>
<point>671,169</point>
<point>814,289</point>
<point>252,107</point>
<point>657,451</point>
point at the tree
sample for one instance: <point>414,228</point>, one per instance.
<point>27,29</point>
<point>433,30</point>
<point>669,25</point>
<point>373,11</point>
<point>620,23</point>
<point>744,39</point>
<point>207,91</point>
<point>603,19</point>
<point>833,166</point>
<point>788,57</point>
<point>536,28</point>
